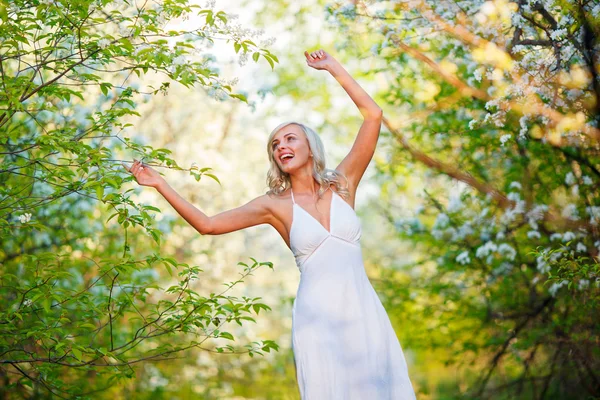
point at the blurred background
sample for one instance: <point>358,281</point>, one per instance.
<point>479,209</point>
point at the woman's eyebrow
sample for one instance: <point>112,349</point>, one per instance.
<point>289,133</point>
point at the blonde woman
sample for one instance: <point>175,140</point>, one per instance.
<point>343,342</point>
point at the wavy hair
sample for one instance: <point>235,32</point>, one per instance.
<point>279,181</point>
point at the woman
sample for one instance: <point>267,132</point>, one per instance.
<point>343,342</point>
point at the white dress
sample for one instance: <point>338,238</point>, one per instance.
<point>343,342</point>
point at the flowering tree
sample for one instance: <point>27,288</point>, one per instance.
<point>80,306</point>
<point>503,98</point>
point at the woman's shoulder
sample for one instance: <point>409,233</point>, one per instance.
<point>275,201</point>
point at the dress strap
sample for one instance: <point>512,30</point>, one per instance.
<point>292,193</point>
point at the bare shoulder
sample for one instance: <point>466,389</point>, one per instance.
<point>263,203</point>
<point>272,203</point>
<point>275,202</point>
<point>278,207</point>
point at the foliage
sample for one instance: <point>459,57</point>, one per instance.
<point>81,306</point>
<point>502,98</point>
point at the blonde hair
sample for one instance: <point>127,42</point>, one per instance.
<point>279,181</point>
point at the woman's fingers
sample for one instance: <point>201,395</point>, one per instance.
<point>315,55</point>
<point>135,167</point>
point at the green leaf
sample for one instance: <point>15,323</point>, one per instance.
<point>77,353</point>
<point>104,87</point>
<point>239,96</point>
<point>169,269</point>
<point>214,177</point>
<point>100,191</point>
<point>255,56</point>
<point>270,62</point>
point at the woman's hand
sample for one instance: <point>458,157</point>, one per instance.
<point>320,59</point>
<point>145,175</point>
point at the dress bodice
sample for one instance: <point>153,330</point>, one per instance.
<point>307,234</point>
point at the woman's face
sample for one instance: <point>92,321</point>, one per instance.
<point>290,148</point>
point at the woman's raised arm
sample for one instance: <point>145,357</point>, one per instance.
<point>357,160</point>
<point>255,212</point>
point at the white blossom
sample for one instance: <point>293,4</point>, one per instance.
<point>503,268</point>
<point>463,257</point>
<point>514,196</point>
<point>454,203</point>
<point>140,48</point>
<point>103,43</point>
<point>533,234</point>
<point>523,124</point>
<point>542,265</point>
<point>594,213</point>
<point>463,231</point>
<point>558,34</point>
<point>268,42</point>
<point>515,184</point>
<point>179,60</point>
<point>486,249</point>
<point>570,212</point>
<point>243,59</point>
<point>570,178</point>
<point>507,251</point>
<point>575,190</point>
<point>491,103</point>
<point>123,30</point>
<point>25,218</point>
<point>556,285</point>
<point>536,214</point>
<point>504,138</point>
<point>581,247</point>
<point>587,180</point>
<point>510,214</point>
<point>556,236</point>
<point>441,221</point>
<point>583,283</point>
<point>568,236</point>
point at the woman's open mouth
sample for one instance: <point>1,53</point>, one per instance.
<point>286,158</point>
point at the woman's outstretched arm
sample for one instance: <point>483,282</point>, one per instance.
<point>357,160</point>
<point>252,213</point>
